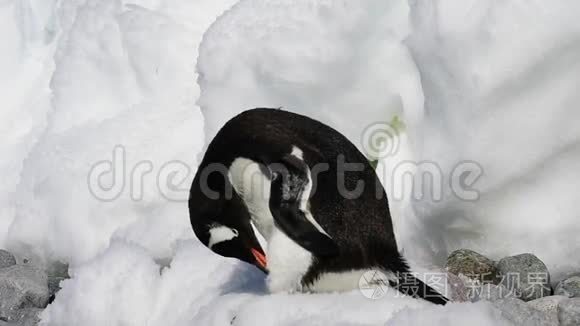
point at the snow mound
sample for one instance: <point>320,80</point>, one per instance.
<point>124,286</point>
<point>338,61</point>
<point>117,148</point>
<point>501,89</point>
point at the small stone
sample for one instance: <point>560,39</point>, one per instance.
<point>27,317</point>
<point>471,264</point>
<point>518,312</point>
<point>526,274</point>
<point>569,287</point>
<point>6,259</point>
<point>57,272</point>
<point>21,287</point>
<point>457,290</point>
<point>569,312</point>
<point>549,305</point>
<point>54,285</point>
<point>491,292</point>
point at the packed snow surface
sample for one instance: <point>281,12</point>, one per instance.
<point>107,105</point>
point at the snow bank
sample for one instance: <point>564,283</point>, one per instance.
<point>501,88</point>
<point>122,91</point>
<point>339,61</point>
<point>26,69</point>
<point>124,286</point>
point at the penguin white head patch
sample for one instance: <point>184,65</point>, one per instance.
<point>220,233</point>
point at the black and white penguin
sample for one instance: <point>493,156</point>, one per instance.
<point>312,197</point>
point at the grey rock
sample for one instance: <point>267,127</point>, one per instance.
<point>569,312</point>
<point>21,287</point>
<point>6,259</point>
<point>57,269</point>
<point>54,285</point>
<point>519,313</point>
<point>456,288</point>
<point>491,292</point>
<point>569,287</point>
<point>26,317</point>
<point>548,305</point>
<point>526,274</point>
<point>471,264</point>
<point>57,272</point>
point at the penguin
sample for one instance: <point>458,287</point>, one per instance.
<point>295,198</point>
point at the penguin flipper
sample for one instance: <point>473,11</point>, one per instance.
<point>295,225</point>
<point>289,182</point>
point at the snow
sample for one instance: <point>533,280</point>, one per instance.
<point>340,61</point>
<point>92,87</point>
<point>126,288</point>
<point>502,90</point>
<point>122,75</point>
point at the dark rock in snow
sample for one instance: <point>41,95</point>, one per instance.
<point>526,274</point>
<point>54,285</point>
<point>6,259</point>
<point>569,312</point>
<point>21,287</point>
<point>472,265</point>
<point>569,287</point>
<point>57,272</point>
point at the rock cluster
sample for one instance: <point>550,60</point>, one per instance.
<point>518,286</point>
<point>25,290</point>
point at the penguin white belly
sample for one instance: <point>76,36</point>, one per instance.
<point>287,261</point>
<point>350,280</point>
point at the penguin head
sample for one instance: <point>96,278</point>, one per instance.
<point>230,242</point>
<point>224,227</point>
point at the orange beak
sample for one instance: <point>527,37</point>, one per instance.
<point>260,258</point>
